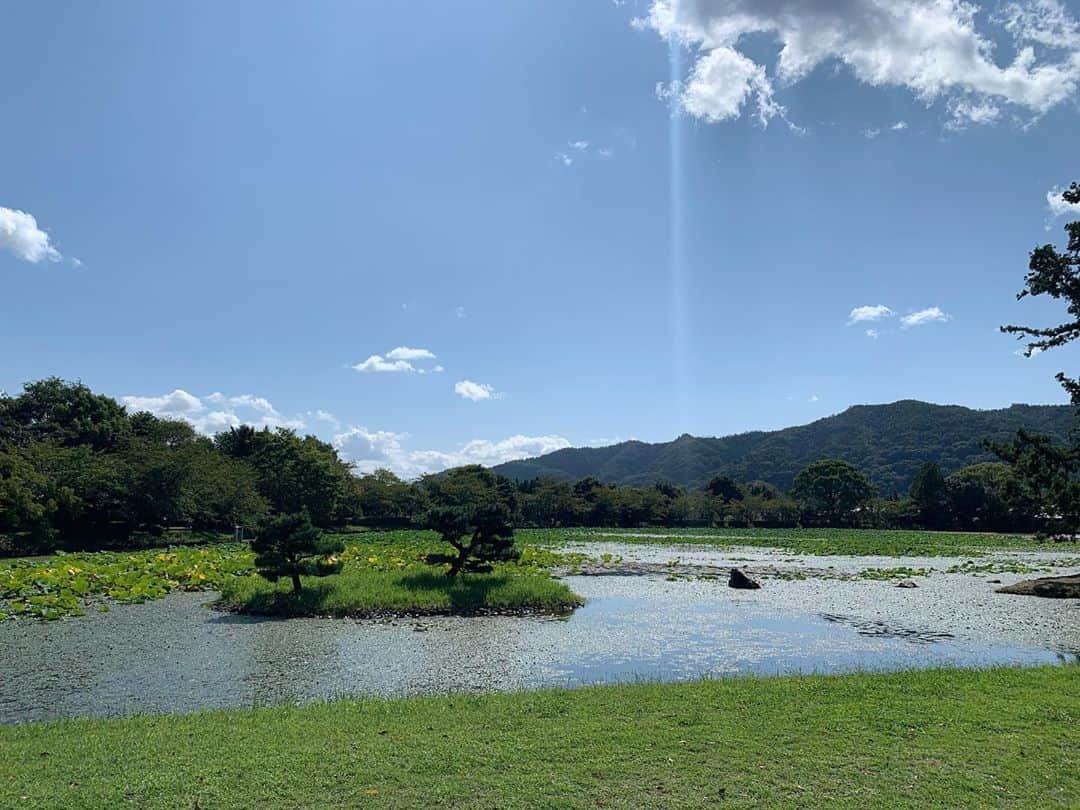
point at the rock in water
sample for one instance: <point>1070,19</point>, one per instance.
<point>907,583</point>
<point>740,580</point>
<point>1050,587</point>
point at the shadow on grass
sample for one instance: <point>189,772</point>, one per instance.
<point>374,595</point>
<point>466,593</point>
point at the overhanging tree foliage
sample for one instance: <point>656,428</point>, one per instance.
<point>1050,472</point>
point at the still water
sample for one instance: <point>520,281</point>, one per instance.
<point>176,655</point>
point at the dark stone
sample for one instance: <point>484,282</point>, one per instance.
<point>1050,587</point>
<point>907,583</point>
<point>740,580</point>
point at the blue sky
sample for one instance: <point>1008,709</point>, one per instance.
<point>237,212</point>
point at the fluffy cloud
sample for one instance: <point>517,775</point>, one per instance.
<point>873,334</point>
<point>371,449</point>
<point>405,353</point>
<point>930,47</point>
<point>468,389</point>
<point>401,360</point>
<point>179,404</point>
<point>923,316</point>
<point>20,234</point>
<point>869,313</point>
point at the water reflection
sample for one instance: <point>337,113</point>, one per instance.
<point>177,655</point>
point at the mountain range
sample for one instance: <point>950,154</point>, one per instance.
<point>887,442</point>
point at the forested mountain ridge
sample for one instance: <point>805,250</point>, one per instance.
<point>887,442</point>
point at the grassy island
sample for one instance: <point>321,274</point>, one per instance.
<point>375,594</point>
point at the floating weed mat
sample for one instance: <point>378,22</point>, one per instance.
<point>66,584</point>
<point>70,584</point>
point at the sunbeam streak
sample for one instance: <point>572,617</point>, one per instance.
<point>677,257</point>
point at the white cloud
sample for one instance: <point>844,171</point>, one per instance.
<point>932,48</point>
<point>870,134</point>
<point>475,391</point>
<point>174,404</point>
<point>581,146</point>
<point>371,449</point>
<point>965,112</point>
<point>460,312</point>
<point>1058,206</point>
<point>399,360</point>
<point>405,353</point>
<point>813,398</point>
<point>923,316</point>
<point>721,82</point>
<point>179,404</point>
<point>873,333</point>
<point>379,364</point>
<point>564,158</point>
<point>899,125</point>
<point>605,152</point>
<point>1045,22</point>
<point>325,416</point>
<point>869,313</point>
<point>19,233</point>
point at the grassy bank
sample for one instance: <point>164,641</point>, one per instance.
<point>884,542</point>
<point>1007,737</point>
<point>367,594</point>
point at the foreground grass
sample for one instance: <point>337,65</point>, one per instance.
<point>947,738</point>
<point>854,542</point>
<point>375,593</point>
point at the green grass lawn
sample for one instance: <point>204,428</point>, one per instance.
<point>946,738</point>
<point>367,593</point>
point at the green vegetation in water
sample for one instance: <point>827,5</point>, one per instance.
<point>899,572</point>
<point>939,738</point>
<point>996,567</point>
<point>844,542</point>
<point>68,584</point>
<point>373,594</point>
<point>65,584</point>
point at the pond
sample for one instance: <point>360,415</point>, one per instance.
<point>176,655</point>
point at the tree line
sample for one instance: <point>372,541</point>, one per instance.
<point>78,471</point>
<point>828,493</point>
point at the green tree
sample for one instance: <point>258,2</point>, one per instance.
<point>724,488</point>
<point>383,495</point>
<point>831,491</point>
<point>479,534</point>
<point>291,546</point>
<point>990,497</point>
<point>67,414</point>
<point>549,502</point>
<point>471,486</point>
<point>1050,472</point>
<point>930,495</point>
<point>294,473</point>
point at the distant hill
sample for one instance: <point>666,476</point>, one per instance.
<point>888,442</point>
